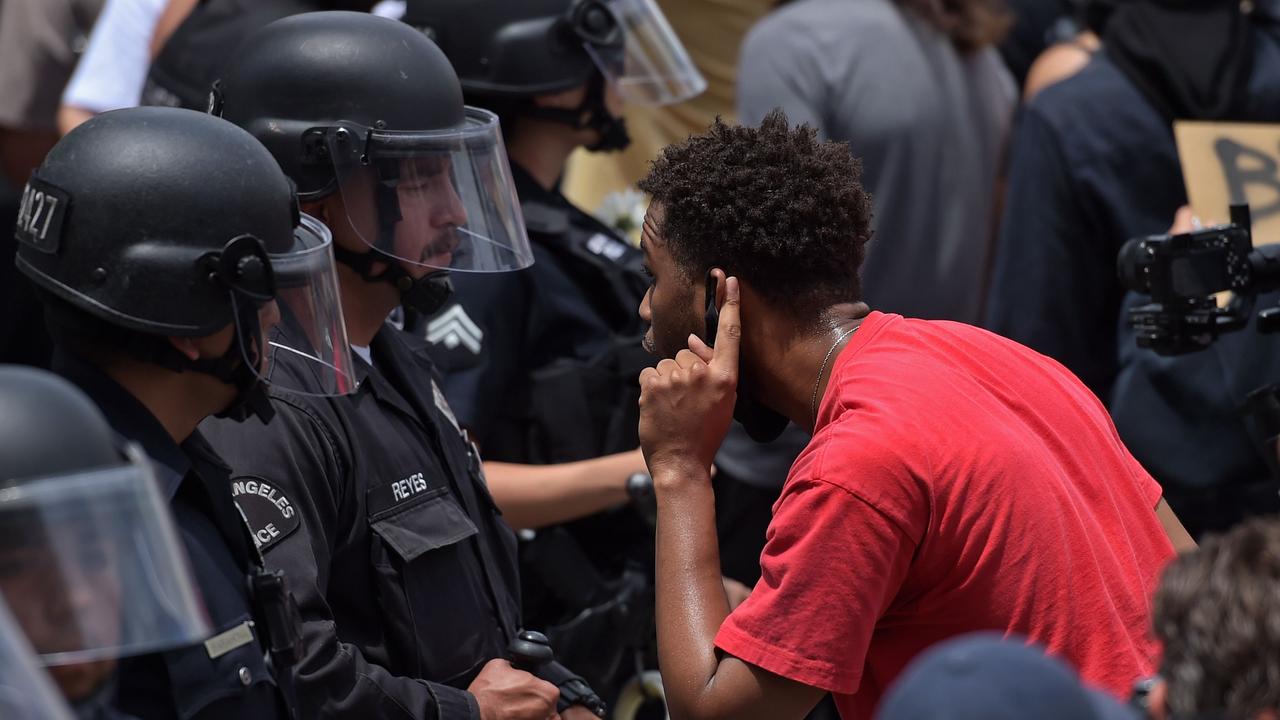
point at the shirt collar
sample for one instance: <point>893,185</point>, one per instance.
<point>530,191</point>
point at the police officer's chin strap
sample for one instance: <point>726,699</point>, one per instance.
<point>231,368</point>
<point>426,294</point>
<point>613,129</point>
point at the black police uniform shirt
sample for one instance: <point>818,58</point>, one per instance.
<point>1081,183</point>
<point>534,361</point>
<point>374,505</point>
<point>229,676</point>
<point>542,366</point>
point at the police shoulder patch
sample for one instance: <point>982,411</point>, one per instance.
<point>270,513</point>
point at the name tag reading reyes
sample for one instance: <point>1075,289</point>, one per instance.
<point>225,642</point>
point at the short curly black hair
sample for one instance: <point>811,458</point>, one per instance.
<point>773,205</point>
<point>1216,613</point>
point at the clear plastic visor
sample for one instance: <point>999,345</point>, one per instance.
<point>306,338</point>
<point>92,568</point>
<point>25,690</point>
<point>650,65</point>
<point>434,200</point>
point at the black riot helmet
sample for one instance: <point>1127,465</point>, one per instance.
<point>90,563</point>
<point>195,53</point>
<point>519,50</point>
<point>370,108</point>
<point>153,222</point>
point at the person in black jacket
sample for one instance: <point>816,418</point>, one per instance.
<point>1082,182</point>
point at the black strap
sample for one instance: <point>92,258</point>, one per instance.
<point>591,114</point>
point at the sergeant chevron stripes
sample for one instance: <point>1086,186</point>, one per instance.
<point>454,327</point>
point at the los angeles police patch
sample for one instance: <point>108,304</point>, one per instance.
<point>271,515</point>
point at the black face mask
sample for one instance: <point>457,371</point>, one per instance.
<point>763,424</point>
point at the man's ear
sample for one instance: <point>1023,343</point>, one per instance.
<point>1158,701</point>
<point>722,286</point>
<point>186,346</point>
<point>570,99</point>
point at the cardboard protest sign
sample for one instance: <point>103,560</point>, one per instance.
<point>1232,163</point>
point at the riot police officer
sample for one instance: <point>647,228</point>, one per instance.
<point>550,392</point>
<point>375,504</point>
<point>165,245</point>
<point>553,384</point>
<point>89,559</point>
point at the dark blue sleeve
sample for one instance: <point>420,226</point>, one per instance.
<point>476,341</point>
<point>1054,284</point>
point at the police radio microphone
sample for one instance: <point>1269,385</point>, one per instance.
<point>531,652</point>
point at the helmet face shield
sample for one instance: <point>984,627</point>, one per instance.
<point>435,200</point>
<point>93,571</point>
<point>633,45</point>
<point>302,322</point>
<point>25,690</point>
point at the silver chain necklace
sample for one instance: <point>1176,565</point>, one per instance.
<point>813,400</point>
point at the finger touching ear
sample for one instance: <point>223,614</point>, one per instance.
<point>729,332</point>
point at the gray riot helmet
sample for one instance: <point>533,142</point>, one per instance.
<point>505,51</point>
<point>90,563</point>
<point>369,108</point>
<point>25,690</point>
<point>153,222</point>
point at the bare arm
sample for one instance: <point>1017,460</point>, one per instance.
<point>172,16</point>
<point>685,407</point>
<point>1178,535</point>
<point>534,496</point>
<point>692,604</point>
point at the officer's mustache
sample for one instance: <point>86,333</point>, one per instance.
<point>445,243</point>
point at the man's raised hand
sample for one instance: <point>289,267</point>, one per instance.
<point>686,403</point>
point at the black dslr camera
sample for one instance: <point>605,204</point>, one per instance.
<point>1184,273</point>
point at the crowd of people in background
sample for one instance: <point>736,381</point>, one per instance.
<point>1007,150</point>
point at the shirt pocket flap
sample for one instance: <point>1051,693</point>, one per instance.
<point>426,526</point>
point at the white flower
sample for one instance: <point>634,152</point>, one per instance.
<point>623,210</point>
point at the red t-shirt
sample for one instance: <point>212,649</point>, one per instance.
<point>956,481</point>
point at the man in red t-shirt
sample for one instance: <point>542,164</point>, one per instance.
<point>956,481</point>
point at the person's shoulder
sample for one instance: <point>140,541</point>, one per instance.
<point>1264,83</point>
<point>863,464</point>
<point>1073,111</point>
<point>805,25</point>
<point>404,349</point>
